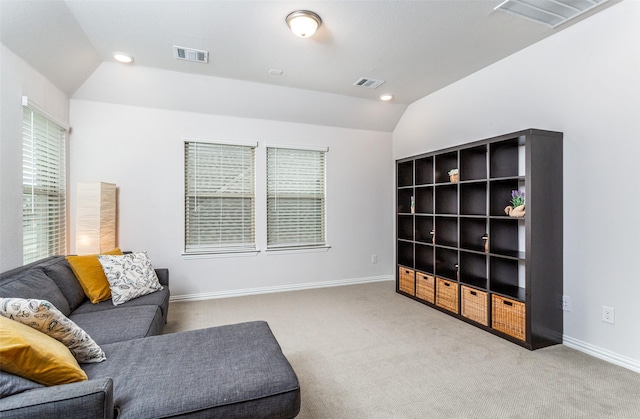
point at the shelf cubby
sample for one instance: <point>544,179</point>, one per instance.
<point>504,237</point>
<point>473,269</point>
<point>473,198</point>
<point>424,200</point>
<point>504,278</point>
<point>500,195</point>
<point>444,163</point>
<point>424,258</point>
<point>473,163</point>
<point>447,199</point>
<point>404,200</point>
<point>405,227</point>
<point>446,263</point>
<point>405,253</point>
<point>446,231</point>
<point>405,174</point>
<point>424,228</point>
<point>424,171</point>
<point>503,158</point>
<point>472,231</point>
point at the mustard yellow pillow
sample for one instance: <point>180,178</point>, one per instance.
<point>91,276</point>
<point>35,356</point>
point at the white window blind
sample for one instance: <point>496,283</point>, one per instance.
<point>44,190</point>
<point>219,197</point>
<point>295,198</point>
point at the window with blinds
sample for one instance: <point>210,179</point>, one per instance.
<point>295,198</point>
<point>43,187</point>
<point>219,197</point>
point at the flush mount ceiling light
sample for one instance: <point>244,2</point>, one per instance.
<point>123,57</point>
<point>386,97</point>
<point>548,12</point>
<point>303,23</point>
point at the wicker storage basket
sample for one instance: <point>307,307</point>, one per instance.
<point>474,305</point>
<point>508,316</point>
<point>447,294</point>
<point>407,281</point>
<point>425,287</point>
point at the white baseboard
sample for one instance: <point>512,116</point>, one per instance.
<point>279,288</point>
<point>604,354</point>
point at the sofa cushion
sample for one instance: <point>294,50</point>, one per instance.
<point>130,276</point>
<point>34,283</point>
<point>13,384</point>
<point>228,371</point>
<point>60,272</point>
<point>123,323</point>
<point>158,298</point>
<point>43,317</point>
<point>89,272</point>
<point>35,356</point>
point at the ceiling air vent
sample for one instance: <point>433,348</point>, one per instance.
<point>548,12</point>
<point>368,83</point>
<point>190,54</point>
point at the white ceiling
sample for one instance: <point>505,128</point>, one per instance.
<point>417,47</point>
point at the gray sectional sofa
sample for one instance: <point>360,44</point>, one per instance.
<point>234,371</point>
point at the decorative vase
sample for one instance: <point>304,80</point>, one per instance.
<point>518,211</point>
<point>486,243</point>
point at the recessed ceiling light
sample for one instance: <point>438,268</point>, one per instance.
<point>122,57</point>
<point>386,96</point>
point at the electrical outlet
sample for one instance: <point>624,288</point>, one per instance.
<point>374,258</point>
<point>566,303</point>
<point>608,315</point>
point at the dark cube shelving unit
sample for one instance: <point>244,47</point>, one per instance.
<point>504,272</point>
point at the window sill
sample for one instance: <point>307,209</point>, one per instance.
<point>220,254</point>
<point>301,249</point>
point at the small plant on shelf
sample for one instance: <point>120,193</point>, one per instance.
<point>516,209</point>
<point>453,175</point>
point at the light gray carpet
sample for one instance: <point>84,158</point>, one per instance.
<point>363,351</point>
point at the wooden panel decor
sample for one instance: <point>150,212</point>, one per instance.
<point>425,287</point>
<point>474,305</point>
<point>463,247</point>
<point>407,281</point>
<point>447,294</point>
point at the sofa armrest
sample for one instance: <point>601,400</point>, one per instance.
<point>163,276</point>
<point>85,399</point>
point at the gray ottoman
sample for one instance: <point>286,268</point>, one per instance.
<point>234,371</point>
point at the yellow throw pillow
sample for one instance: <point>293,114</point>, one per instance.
<point>35,356</point>
<point>91,276</point>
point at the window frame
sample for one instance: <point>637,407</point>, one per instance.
<point>219,250</point>
<point>296,247</point>
<point>48,133</point>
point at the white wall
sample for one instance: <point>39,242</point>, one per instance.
<point>141,150</point>
<point>18,79</point>
<point>585,82</point>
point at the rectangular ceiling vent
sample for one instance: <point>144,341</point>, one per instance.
<point>368,83</point>
<point>548,12</point>
<point>190,54</point>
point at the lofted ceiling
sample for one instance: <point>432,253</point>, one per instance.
<point>416,47</point>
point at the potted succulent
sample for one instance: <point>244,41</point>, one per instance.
<point>516,209</point>
<point>453,175</point>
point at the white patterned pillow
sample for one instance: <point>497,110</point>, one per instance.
<point>44,317</point>
<point>130,276</point>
